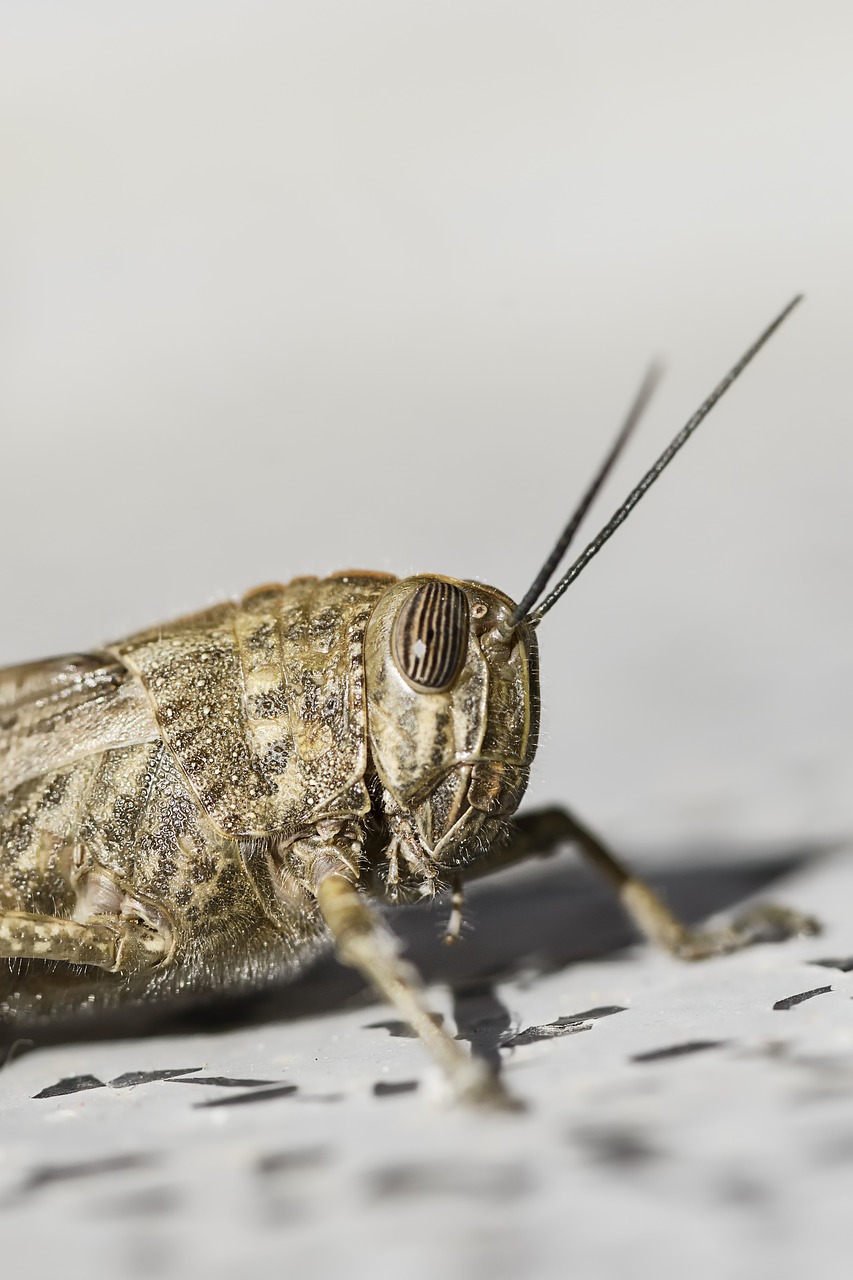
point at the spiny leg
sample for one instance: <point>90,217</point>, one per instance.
<point>543,832</point>
<point>457,903</point>
<point>120,946</point>
<point>362,942</point>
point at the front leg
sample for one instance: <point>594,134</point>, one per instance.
<point>361,940</point>
<point>545,831</point>
<point>327,865</point>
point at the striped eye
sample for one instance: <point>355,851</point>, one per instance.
<point>430,637</point>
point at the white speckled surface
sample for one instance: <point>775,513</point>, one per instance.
<point>684,1124</point>
<point>289,288</point>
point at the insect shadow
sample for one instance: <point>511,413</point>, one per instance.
<point>524,922</point>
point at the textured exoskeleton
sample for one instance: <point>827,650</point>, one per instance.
<point>170,805</point>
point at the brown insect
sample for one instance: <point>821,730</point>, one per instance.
<point>206,805</point>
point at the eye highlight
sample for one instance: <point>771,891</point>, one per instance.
<point>430,636</point>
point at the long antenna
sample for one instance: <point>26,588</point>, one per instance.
<point>543,577</point>
<point>654,472</point>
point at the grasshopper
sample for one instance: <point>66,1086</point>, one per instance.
<point>206,805</point>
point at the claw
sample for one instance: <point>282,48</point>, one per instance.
<point>773,924</point>
<point>761,924</point>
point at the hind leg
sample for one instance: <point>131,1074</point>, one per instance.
<point>119,946</point>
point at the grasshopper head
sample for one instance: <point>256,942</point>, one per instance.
<point>452,711</point>
<point>452,681</point>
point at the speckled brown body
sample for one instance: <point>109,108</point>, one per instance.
<point>196,780</point>
<point>204,805</point>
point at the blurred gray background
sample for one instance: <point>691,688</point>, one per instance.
<point>290,288</point>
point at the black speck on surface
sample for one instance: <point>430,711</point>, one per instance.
<point>843,963</point>
<point>46,1175</point>
<point>548,1031</point>
<point>616,1147</point>
<point>399,1029</point>
<point>463,1179</point>
<point>279,1163</point>
<point>790,1001</point>
<point>253,1095</point>
<point>678,1050</point>
<point>600,1011</point>
<point>389,1088</point>
<point>70,1084</point>
<point>223,1082</point>
<point>131,1079</point>
<point>148,1202</point>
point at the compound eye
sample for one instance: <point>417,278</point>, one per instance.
<point>430,637</point>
